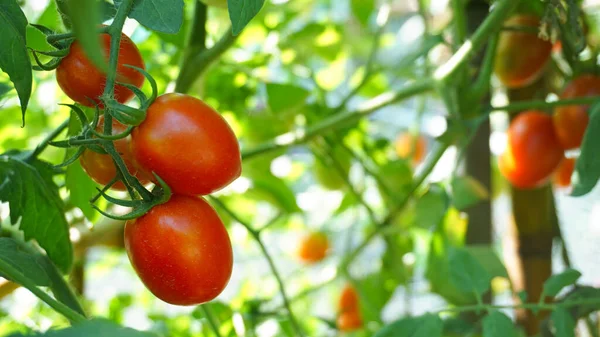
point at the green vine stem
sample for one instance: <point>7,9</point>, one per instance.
<point>61,308</point>
<point>115,41</point>
<point>212,320</point>
<point>46,141</point>
<point>419,179</point>
<point>527,306</point>
<point>338,120</point>
<point>195,65</point>
<point>256,235</point>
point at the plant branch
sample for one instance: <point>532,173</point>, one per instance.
<point>491,24</point>
<point>210,317</point>
<point>46,141</point>
<point>256,235</point>
<point>543,105</point>
<point>195,65</point>
<point>418,181</point>
<point>336,121</point>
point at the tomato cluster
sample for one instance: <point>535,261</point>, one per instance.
<point>537,141</point>
<point>349,316</point>
<point>180,249</point>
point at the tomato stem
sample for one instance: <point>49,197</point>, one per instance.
<point>46,141</point>
<point>256,235</point>
<point>418,181</point>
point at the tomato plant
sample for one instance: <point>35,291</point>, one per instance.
<point>100,166</point>
<point>313,98</point>
<point>521,55</point>
<point>409,146</point>
<point>188,144</point>
<point>181,251</point>
<point>84,83</point>
<point>571,121</point>
<point>313,247</point>
<point>533,151</point>
<point>349,321</point>
<point>562,176</point>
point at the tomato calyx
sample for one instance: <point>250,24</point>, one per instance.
<point>160,194</point>
<point>128,115</point>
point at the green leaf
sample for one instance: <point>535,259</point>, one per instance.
<point>85,19</point>
<point>362,10</point>
<point>160,15</point>
<point>34,199</point>
<point>377,291</point>
<point>466,273</point>
<point>486,255</point>
<point>37,268</point>
<point>92,328</point>
<point>14,59</point>
<point>285,98</point>
<point>564,324</point>
<point>27,264</point>
<point>587,167</point>
<point>497,324</point>
<point>431,207</point>
<point>241,12</point>
<point>555,283</point>
<point>467,192</point>
<point>428,325</point>
<point>274,190</point>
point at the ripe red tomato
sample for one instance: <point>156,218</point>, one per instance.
<point>100,167</point>
<point>533,150</point>
<point>188,144</point>
<point>80,79</point>
<point>181,251</point>
<point>562,175</point>
<point>571,121</point>
<point>313,247</point>
<point>521,56</point>
<point>348,299</point>
<point>349,321</point>
<point>412,146</point>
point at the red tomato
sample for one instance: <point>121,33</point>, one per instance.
<point>100,167</point>
<point>521,56</point>
<point>349,321</point>
<point>181,251</point>
<point>348,299</point>
<point>411,146</point>
<point>188,144</point>
<point>533,150</point>
<point>79,78</point>
<point>313,248</point>
<point>562,175</point>
<point>571,121</point>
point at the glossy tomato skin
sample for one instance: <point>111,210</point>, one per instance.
<point>521,56</point>
<point>348,300</point>
<point>188,144</point>
<point>409,146</point>
<point>562,176</point>
<point>571,121</point>
<point>313,248</point>
<point>533,151</point>
<point>181,251</point>
<point>349,321</point>
<point>100,167</point>
<point>80,79</point>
